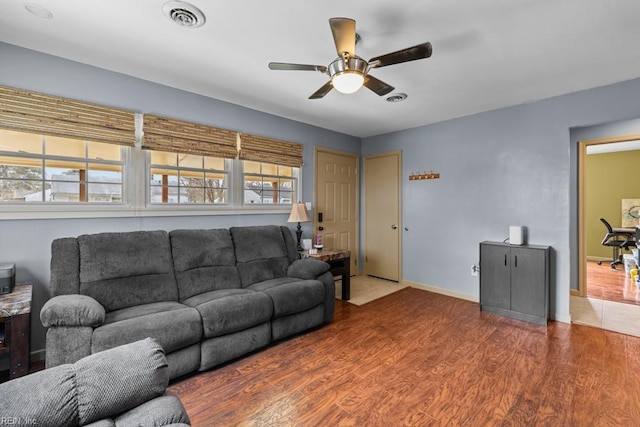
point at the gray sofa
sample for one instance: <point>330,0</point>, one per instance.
<point>123,386</point>
<point>206,296</point>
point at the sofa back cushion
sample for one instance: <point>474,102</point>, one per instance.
<point>261,253</point>
<point>126,269</point>
<point>204,261</point>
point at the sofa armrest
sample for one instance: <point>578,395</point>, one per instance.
<point>307,268</point>
<point>72,310</point>
<point>99,386</point>
<point>166,410</point>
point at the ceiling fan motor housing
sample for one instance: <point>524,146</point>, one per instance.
<point>354,65</point>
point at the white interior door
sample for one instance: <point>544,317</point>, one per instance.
<point>336,201</point>
<point>382,224</point>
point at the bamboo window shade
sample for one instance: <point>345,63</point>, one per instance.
<point>24,110</point>
<point>177,136</point>
<point>262,149</point>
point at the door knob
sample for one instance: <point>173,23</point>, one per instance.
<point>321,228</point>
<point>394,227</point>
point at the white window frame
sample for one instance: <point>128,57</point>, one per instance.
<point>44,209</point>
<point>134,203</point>
<point>296,177</point>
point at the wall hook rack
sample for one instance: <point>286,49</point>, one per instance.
<point>420,176</point>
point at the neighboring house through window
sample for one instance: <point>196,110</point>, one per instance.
<point>268,183</point>
<point>187,178</point>
<point>42,168</point>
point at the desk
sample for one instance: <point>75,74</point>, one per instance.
<point>339,265</point>
<point>15,319</point>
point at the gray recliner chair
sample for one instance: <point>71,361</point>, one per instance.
<point>123,386</point>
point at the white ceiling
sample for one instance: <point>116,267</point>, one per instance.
<point>487,54</point>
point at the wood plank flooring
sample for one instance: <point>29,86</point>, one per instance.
<point>422,359</point>
<point>605,283</point>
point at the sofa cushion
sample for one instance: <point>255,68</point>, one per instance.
<point>172,324</point>
<point>261,253</point>
<point>231,310</point>
<point>204,261</point>
<point>291,295</point>
<point>127,269</point>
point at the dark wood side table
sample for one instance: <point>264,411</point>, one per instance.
<point>15,323</point>
<point>340,265</point>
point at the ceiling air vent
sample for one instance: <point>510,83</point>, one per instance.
<point>396,97</point>
<point>184,14</point>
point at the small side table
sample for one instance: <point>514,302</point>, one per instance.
<point>340,265</point>
<point>15,322</point>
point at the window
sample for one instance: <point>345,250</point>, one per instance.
<point>63,158</point>
<point>39,168</point>
<point>268,183</point>
<point>187,178</point>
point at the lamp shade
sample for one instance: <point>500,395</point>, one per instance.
<point>299,213</point>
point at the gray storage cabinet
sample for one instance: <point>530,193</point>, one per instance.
<point>514,281</point>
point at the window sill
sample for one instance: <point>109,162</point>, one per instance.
<point>124,211</point>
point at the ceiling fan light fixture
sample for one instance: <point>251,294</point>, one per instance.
<point>347,81</point>
<point>347,75</point>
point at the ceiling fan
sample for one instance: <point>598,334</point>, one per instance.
<point>349,72</point>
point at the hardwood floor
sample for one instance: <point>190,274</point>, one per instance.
<point>605,283</point>
<point>423,359</point>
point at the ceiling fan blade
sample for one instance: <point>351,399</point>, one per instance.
<point>320,93</point>
<point>344,35</point>
<point>420,51</point>
<point>377,85</point>
<point>296,67</point>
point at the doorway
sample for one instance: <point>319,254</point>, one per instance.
<point>335,216</point>
<point>607,175</point>
<point>382,215</point>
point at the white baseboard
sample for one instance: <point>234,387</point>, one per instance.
<point>553,316</point>
<point>441,291</point>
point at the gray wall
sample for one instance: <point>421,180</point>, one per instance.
<point>27,242</point>
<point>514,166</point>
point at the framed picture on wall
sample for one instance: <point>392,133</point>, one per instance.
<point>630,212</point>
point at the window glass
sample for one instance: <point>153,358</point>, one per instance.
<point>42,168</point>
<point>101,151</point>
<point>56,146</point>
<point>267,183</point>
<point>187,179</point>
<point>20,142</point>
<point>162,158</point>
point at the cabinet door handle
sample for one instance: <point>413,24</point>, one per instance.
<point>505,259</point>
<point>516,259</point>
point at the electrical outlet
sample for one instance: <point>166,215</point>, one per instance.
<point>474,270</point>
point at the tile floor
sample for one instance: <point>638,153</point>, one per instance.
<point>366,288</point>
<point>609,315</point>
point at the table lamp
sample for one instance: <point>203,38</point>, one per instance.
<point>299,214</point>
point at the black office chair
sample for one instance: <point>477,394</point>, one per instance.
<point>617,241</point>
